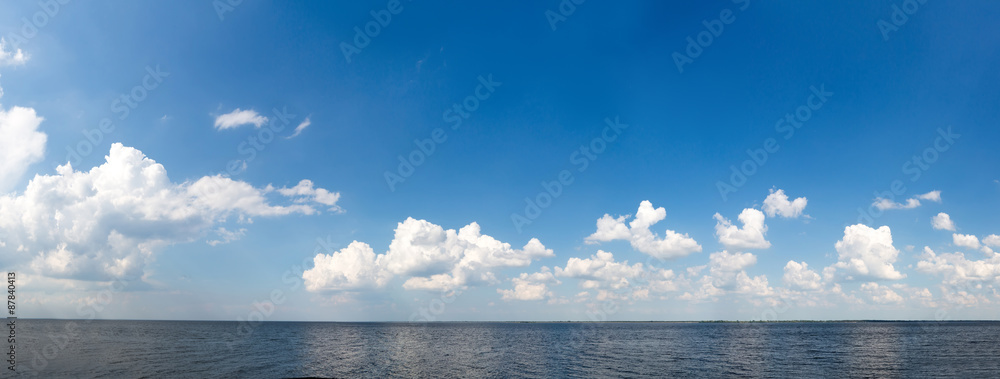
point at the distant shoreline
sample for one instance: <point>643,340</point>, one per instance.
<point>550,322</point>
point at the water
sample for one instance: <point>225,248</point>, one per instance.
<point>157,349</point>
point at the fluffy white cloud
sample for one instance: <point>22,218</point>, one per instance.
<point>305,192</point>
<point>438,259</point>
<point>727,274</point>
<point>354,267</point>
<point>672,245</point>
<point>965,240</point>
<point>958,271</point>
<point>799,276</point>
<point>239,117</point>
<point>992,240</point>
<point>913,202</point>
<point>110,221</point>
<point>750,236</point>
<point>942,222</point>
<point>777,203</point>
<point>21,144</point>
<point>11,57</point>
<point>298,129</point>
<point>227,236</point>
<point>600,271</point>
<point>881,294</point>
<point>865,253</point>
<point>531,286</point>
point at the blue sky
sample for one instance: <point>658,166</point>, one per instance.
<point>202,74</point>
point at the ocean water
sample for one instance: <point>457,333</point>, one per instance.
<point>194,349</point>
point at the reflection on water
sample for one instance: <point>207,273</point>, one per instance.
<point>284,349</point>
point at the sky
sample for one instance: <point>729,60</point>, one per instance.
<point>558,160</point>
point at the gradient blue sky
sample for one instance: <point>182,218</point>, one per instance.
<point>890,97</point>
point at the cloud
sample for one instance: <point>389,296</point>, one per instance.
<point>959,272</point>
<point>777,204</point>
<point>354,267</point>
<point>672,245</point>
<point>304,192</point>
<point>238,118</point>
<point>617,280</point>
<point>992,240</point>
<point>11,57</point>
<point>913,202</point>
<point>881,294</point>
<point>942,222</point>
<point>298,129</point>
<point>227,236</point>
<point>751,236</point>
<point>865,253</point>
<point>965,240</point>
<point>21,144</point>
<point>434,258</point>
<point>111,221</point>
<point>799,276</point>
<point>727,274</point>
<point>529,287</point>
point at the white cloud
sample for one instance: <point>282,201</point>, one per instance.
<point>913,202</point>
<point>799,276</point>
<point>959,272</point>
<point>934,196</point>
<point>672,245</point>
<point>600,271</point>
<point>727,274</point>
<point>777,203</point>
<point>865,253</point>
<point>965,240</point>
<point>354,267</point>
<point>531,286</point>
<point>942,222</point>
<point>992,240</point>
<point>21,144</point>
<point>434,258</point>
<point>11,57</point>
<point>110,222</point>
<point>304,192</point>
<point>298,129</point>
<point>750,236</point>
<point>881,294</point>
<point>227,236</point>
<point>238,118</point>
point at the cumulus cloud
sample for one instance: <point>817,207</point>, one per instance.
<point>750,236</point>
<point>942,222</point>
<point>617,280</point>
<point>238,118</point>
<point>434,258</point>
<point>799,276</point>
<point>305,192</point>
<point>965,240</point>
<point>672,245</point>
<point>21,144</point>
<point>298,129</point>
<point>727,274</point>
<point>992,240</point>
<point>354,267</point>
<point>777,203</point>
<point>109,222</point>
<point>11,57</point>
<point>865,253</point>
<point>531,286</point>
<point>881,294</point>
<point>913,202</point>
<point>959,272</point>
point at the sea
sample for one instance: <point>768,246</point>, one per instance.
<point>220,349</point>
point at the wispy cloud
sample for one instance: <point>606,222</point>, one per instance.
<point>298,129</point>
<point>238,118</point>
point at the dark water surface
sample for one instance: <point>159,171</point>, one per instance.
<point>159,349</point>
